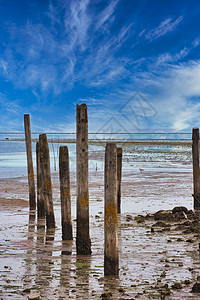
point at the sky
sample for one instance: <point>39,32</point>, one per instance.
<point>135,63</point>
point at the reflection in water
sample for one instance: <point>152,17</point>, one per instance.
<point>65,269</point>
<point>83,268</point>
<point>31,225</point>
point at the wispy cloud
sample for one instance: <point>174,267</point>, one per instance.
<point>106,14</point>
<point>165,26</point>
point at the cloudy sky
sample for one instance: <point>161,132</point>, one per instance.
<point>136,63</point>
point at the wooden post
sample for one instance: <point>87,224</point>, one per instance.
<point>64,174</point>
<point>111,260</point>
<point>119,178</point>
<point>83,242</point>
<point>196,171</point>
<point>46,180</point>
<point>31,181</point>
<point>40,195</point>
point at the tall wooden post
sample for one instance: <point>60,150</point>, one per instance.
<point>31,181</point>
<point>83,242</point>
<point>64,174</point>
<point>46,180</point>
<point>40,195</point>
<point>111,260</point>
<point>196,170</point>
<point>119,178</point>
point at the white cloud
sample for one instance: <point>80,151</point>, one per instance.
<point>106,14</point>
<point>165,26</point>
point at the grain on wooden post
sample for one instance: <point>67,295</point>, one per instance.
<point>119,178</point>
<point>196,171</point>
<point>31,181</point>
<point>46,180</point>
<point>111,260</point>
<point>65,196</point>
<point>40,195</point>
<point>83,242</point>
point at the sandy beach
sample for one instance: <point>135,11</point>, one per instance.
<point>35,261</point>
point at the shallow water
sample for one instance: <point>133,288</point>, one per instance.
<point>35,260</point>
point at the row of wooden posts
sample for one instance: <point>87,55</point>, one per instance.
<point>112,190</point>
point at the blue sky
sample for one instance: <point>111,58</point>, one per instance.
<point>136,63</point>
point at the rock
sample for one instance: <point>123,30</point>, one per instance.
<point>177,286</point>
<point>180,240</point>
<point>34,296</point>
<point>190,214</point>
<point>179,209</point>
<point>187,281</point>
<point>121,290</point>
<point>160,224</point>
<point>163,274</point>
<point>180,216</point>
<point>196,288</point>
<point>107,295</point>
<point>189,241</point>
<point>129,218</point>
<point>164,215</point>
<point>182,227</point>
<point>149,216</point>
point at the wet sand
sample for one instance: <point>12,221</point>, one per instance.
<point>35,261</point>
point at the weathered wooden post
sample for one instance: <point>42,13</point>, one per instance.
<point>196,171</point>
<point>119,178</point>
<point>83,242</point>
<point>65,196</point>
<point>111,260</point>
<point>31,181</point>
<point>46,180</point>
<point>40,195</point>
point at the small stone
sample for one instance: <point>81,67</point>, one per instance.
<point>163,274</point>
<point>179,240</point>
<point>97,217</point>
<point>106,295</point>
<point>169,241</point>
<point>189,241</point>
<point>129,218</point>
<point>196,288</point>
<point>121,290</point>
<point>152,230</point>
<point>34,296</point>
<point>187,281</point>
<point>177,286</point>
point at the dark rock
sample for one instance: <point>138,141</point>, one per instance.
<point>152,230</point>
<point>107,295</point>
<point>149,216</point>
<point>179,209</point>
<point>189,241</point>
<point>190,214</point>
<point>129,218</point>
<point>186,223</point>
<point>180,216</point>
<point>180,240</point>
<point>196,288</point>
<point>187,281</point>
<point>182,227</point>
<point>164,215</point>
<point>177,286</point>
<point>121,290</point>
<point>160,224</point>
